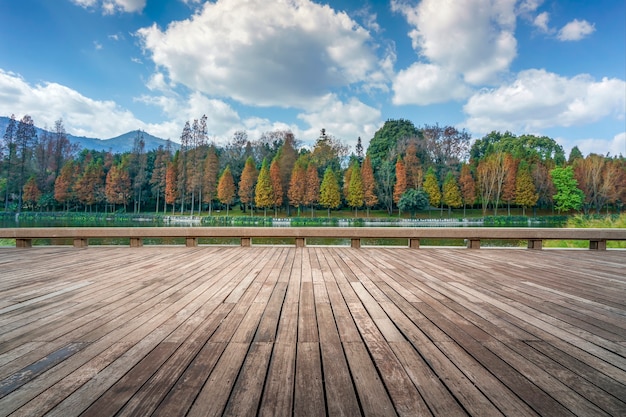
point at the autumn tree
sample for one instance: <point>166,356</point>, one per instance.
<point>286,160</point>
<point>413,168</point>
<point>451,193</point>
<point>158,178</point>
<point>263,193</point>
<point>525,192</point>
<point>491,172</point>
<point>400,186</point>
<point>64,184</point>
<point>508,186</point>
<point>328,151</point>
<point>297,185</point>
<point>209,180</point>
<point>369,184</point>
<point>277,185</point>
<point>468,186</point>
<point>247,183</point>
<point>117,186</point>
<point>31,193</point>
<point>597,187</point>
<point>330,196</point>
<point>312,189</point>
<point>356,194</point>
<point>171,183</point>
<point>431,187</point>
<point>89,187</point>
<point>226,188</point>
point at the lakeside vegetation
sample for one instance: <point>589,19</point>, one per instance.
<point>404,170</point>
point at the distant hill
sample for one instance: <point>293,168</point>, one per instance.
<point>119,144</point>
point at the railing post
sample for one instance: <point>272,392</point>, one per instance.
<point>246,242</point>
<point>355,243</point>
<point>597,244</point>
<point>473,243</point>
<point>136,242</point>
<point>414,243</point>
<point>535,244</point>
<point>81,242</point>
<point>191,242</point>
<point>300,243</point>
<point>23,243</point>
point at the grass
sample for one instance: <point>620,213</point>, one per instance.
<point>589,222</point>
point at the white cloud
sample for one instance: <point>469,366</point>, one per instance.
<point>425,84</point>
<point>576,30</point>
<point>82,116</point>
<point>264,53</point>
<point>541,22</point>
<point>614,146</point>
<point>529,6</point>
<point>539,99</point>
<point>474,38</point>
<point>344,120</point>
<point>113,6</point>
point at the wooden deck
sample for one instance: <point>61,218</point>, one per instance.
<point>279,331</point>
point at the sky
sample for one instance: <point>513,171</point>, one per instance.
<point>106,67</point>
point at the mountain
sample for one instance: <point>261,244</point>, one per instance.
<point>118,144</point>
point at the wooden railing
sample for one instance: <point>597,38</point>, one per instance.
<point>597,238</point>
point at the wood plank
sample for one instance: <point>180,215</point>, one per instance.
<point>309,390</point>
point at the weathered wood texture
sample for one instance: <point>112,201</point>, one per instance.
<point>597,238</point>
<point>276,331</point>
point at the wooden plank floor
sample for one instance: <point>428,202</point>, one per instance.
<point>277,331</point>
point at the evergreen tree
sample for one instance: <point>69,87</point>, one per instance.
<point>356,194</point>
<point>10,158</point>
<point>568,196</point>
<point>25,140</point>
<point>226,188</point>
<point>264,194</point>
<point>330,196</point>
<point>413,200</point>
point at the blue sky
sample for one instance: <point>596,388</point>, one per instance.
<point>555,68</point>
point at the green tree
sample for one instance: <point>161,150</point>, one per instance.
<point>431,186</point>
<point>263,193</point>
<point>525,193</point>
<point>568,196</point>
<point>413,200</point>
<point>451,193</point>
<point>355,192</point>
<point>330,196</point>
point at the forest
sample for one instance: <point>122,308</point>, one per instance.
<point>405,169</point>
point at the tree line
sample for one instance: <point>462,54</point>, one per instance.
<point>405,169</point>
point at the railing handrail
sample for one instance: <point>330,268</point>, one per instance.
<point>473,235</point>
